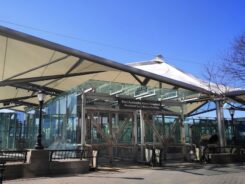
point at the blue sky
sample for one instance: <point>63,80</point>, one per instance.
<point>188,33</point>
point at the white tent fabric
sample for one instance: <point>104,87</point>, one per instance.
<point>160,67</point>
<point>28,64</point>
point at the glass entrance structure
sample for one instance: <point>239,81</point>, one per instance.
<point>106,118</point>
<point>98,102</point>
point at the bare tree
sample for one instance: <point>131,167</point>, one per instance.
<point>230,72</point>
<point>217,80</point>
<point>234,62</point>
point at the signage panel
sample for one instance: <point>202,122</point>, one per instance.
<point>139,104</point>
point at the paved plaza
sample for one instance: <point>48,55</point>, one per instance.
<point>174,174</point>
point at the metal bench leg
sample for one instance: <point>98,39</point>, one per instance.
<point>2,168</point>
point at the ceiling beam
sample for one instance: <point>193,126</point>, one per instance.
<point>9,107</point>
<point>17,102</point>
<point>9,100</point>
<point>30,88</point>
<point>73,67</point>
<point>194,114</point>
<point>237,99</point>
<point>43,78</point>
<point>137,78</point>
<point>142,83</point>
<point>36,88</point>
<point>146,81</point>
<point>195,109</point>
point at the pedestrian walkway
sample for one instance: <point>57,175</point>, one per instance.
<point>170,174</point>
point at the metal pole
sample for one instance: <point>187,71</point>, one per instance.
<point>221,125</point>
<point>142,133</point>
<point>154,133</point>
<point>111,139</point>
<point>182,126</point>
<point>83,131</point>
<point>134,135</point>
<point>233,128</point>
<point>190,134</point>
<point>39,136</point>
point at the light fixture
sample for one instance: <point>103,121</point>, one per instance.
<point>146,95</point>
<point>140,95</point>
<point>189,100</point>
<point>168,96</point>
<point>40,96</point>
<point>89,90</point>
<point>231,111</point>
<point>116,92</point>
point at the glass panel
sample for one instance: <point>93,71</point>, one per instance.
<point>125,122</point>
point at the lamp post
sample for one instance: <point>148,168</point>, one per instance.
<point>232,112</point>
<point>40,97</point>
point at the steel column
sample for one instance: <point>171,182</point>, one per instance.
<point>135,128</point>
<point>182,127</point>
<point>221,124</point>
<point>83,121</point>
<point>142,133</point>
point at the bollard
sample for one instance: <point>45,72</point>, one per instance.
<point>2,168</point>
<point>153,157</point>
<point>148,156</point>
<point>158,157</point>
<point>95,159</point>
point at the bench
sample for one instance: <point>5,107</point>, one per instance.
<point>55,155</point>
<point>65,154</point>
<point>11,156</point>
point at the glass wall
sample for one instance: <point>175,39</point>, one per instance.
<point>167,126</point>
<point>203,128</point>
<point>12,131</point>
<point>59,123</point>
<point>105,118</point>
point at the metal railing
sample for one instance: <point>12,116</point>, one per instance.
<point>13,156</point>
<point>235,150</point>
<point>84,153</point>
<point>65,154</point>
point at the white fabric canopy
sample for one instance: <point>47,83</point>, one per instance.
<point>160,67</point>
<point>29,64</point>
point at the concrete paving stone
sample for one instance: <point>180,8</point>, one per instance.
<point>209,174</point>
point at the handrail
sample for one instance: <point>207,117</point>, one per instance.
<point>80,154</point>
<point>65,154</point>
<point>232,149</point>
<point>13,156</point>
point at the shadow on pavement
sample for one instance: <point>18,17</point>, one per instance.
<point>128,178</point>
<point>204,169</point>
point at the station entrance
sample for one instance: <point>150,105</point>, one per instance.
<point>109,127</point>
<point>123,130</point>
